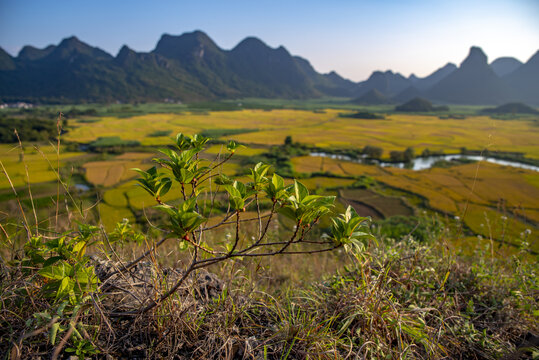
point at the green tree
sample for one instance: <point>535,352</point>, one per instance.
<point>288,140</point>
<point>409,154</point>
<point>373,152</point>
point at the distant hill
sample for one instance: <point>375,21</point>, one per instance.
<point>6,61</point>
<point>330,84</point>
<point>187,67</point>
<point>511,108</point>
<point>505,65</point>
<point>387,83</point>
<point>420,105</point>
<point>30,53</point>
<point>474,83</point>
<point>192,67</point>
<point>407,95</point>
<point>525,81</point>
<point>372,97</point>
<point>432,79</point>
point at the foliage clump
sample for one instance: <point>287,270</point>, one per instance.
<point>420,105</point>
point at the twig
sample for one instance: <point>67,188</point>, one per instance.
<point>16,350</point>
<point>66,337</point>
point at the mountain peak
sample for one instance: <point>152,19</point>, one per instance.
<point>251,42</point>
<point>71,42</point>
<point>188,44</point>
<point>125,52</point>
<point>476,57</point>
<point>32,53</point>
<point>505,65</point>
<point>72,46</point>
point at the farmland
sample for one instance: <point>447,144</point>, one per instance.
<point>491,201</point>
<point>435,232</point>
<point>40,161</point>
<point>326,129</point>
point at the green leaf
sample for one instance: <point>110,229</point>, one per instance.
<point>63,289</point>
<point>163,187</point>
<point>232,146</point>
<point>183,245</point>
<point>52,260</point>
<point>241,188</point>
<point>223,180</point>
<point>300,191</point>
<point>277,181</point>
<point>182,142</point>
<point>56,271</point>
<point>53,332</point>
<point>233,191</point>
<point>79,249</point>
<point>288,212</point>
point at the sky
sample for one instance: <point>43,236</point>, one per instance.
<point>352,37</point>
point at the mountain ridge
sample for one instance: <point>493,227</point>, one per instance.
<point>192,67</point>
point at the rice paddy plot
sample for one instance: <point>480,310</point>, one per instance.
<point>36,164</point>
<point>369,203</point>
<point>242,151</point>
<point>111,172</point>
<point>322,182</point>
<point>312,164</point>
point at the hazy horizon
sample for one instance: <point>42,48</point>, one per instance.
<point>353,38</point>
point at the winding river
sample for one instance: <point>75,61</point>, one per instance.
<point>422,163</point>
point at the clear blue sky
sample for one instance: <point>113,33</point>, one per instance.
<point>352,37</point>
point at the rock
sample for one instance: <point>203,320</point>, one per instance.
<point>137,287</point>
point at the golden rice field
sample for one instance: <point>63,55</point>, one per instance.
<point>327,129</point>
<point>492,200</point>
<point>112,172</point>
<point>41,163</point>
<point>310,164</point>
<point>243,151</point>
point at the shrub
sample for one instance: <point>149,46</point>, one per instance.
<point>373,152</point>
<point>52,287</point>
<point>187,224</point>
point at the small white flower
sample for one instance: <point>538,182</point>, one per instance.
<point>457,218</point>
<point>504,218</point>
<point>527,231</point>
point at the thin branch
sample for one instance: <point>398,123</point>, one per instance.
<point>258,215</point>
<point>66,337</point>
<point>237,239</point>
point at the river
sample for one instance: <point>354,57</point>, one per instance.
<point>422,163</point>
